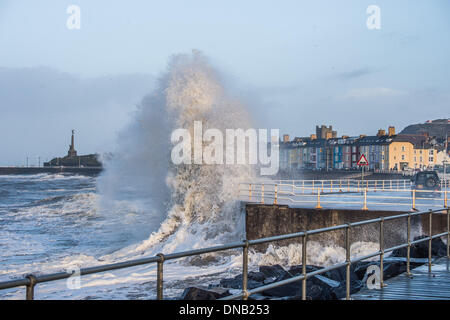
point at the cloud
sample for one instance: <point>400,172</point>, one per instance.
<point>356,73</point>
<point>370,93</point>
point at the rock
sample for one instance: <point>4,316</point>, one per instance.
<point>256,276</point>
<point>254,280</point>
<point>288,290</point>
<point>327,286</point>
<point>274,271</point>
<point>200,293</point>
<point>340,275</point>
<point>298,269</point>
<point>361,268</point>
<point>331,289</point>
<point>420,250</point>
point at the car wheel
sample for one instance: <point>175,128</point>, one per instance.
<point>430,183</point>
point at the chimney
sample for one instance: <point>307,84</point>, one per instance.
<point>313,137</point>
<point>381,133</point>
<point>391,131</point>
<point>328,135</point>
<point>285,138</point>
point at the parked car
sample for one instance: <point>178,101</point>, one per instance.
<point>426,181</point>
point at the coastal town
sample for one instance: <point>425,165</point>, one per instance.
<point>384,151</point>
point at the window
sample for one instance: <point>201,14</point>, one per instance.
<point>431,151</point>
<point>403,148</point>
<point>403,157</point>
<point>415,159</point>
<point>430,159</point>
<point>420,159</point>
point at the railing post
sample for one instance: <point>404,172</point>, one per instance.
<point>276,194</point>
<point>348,185</point>
<point>262,193</point>
<point>448,233</point>
<point>293,187</point>
<point>304,243</point>
<point>303,186</point>
<point>365,200</point>
<point>340,185</point>
<point>357,190</point>
<point>318,206</point>
<point>30,287</point>
<point>245,270</point>
<point>382,253</point>
<point>250,192</point>
<point>408,249</point>
<point>347,260</point>
<point>430,240</point>
<point>445,198</point>
<point>159,277</point>
<point>331,186</point>
<point>383,185</point>
<point>414,199</point>
<point>322,185</point>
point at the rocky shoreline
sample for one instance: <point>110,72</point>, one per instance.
<point>329,285</point>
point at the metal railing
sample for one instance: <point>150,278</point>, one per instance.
<point>31,280</point>
<point>365,193</point>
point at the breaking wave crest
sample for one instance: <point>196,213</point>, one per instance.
<point>195,205</point>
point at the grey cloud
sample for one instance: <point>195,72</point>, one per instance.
<point>356,73</point>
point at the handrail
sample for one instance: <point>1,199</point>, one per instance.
<point>299,191</point>
<point>31,281</point>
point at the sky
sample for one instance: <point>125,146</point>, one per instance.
<point>296,64</point>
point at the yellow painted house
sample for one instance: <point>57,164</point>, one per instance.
<point>403,154</point>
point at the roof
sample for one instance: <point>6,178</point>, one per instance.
<point>419,141</point>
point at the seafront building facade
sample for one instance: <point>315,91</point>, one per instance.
<point>384,151</point>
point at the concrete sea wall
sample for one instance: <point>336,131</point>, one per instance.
<point>271,220</point>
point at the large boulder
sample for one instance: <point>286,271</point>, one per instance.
<point>201,293</point>
<point>254,280</point>
<point>274,271</point>
<point>318,287</point>
<point>420,250</point>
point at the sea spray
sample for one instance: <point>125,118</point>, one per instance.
<point>194,205</point>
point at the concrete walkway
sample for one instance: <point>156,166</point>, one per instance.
<point>422,286</point>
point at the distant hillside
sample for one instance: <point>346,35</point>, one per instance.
<point>437,128</point>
